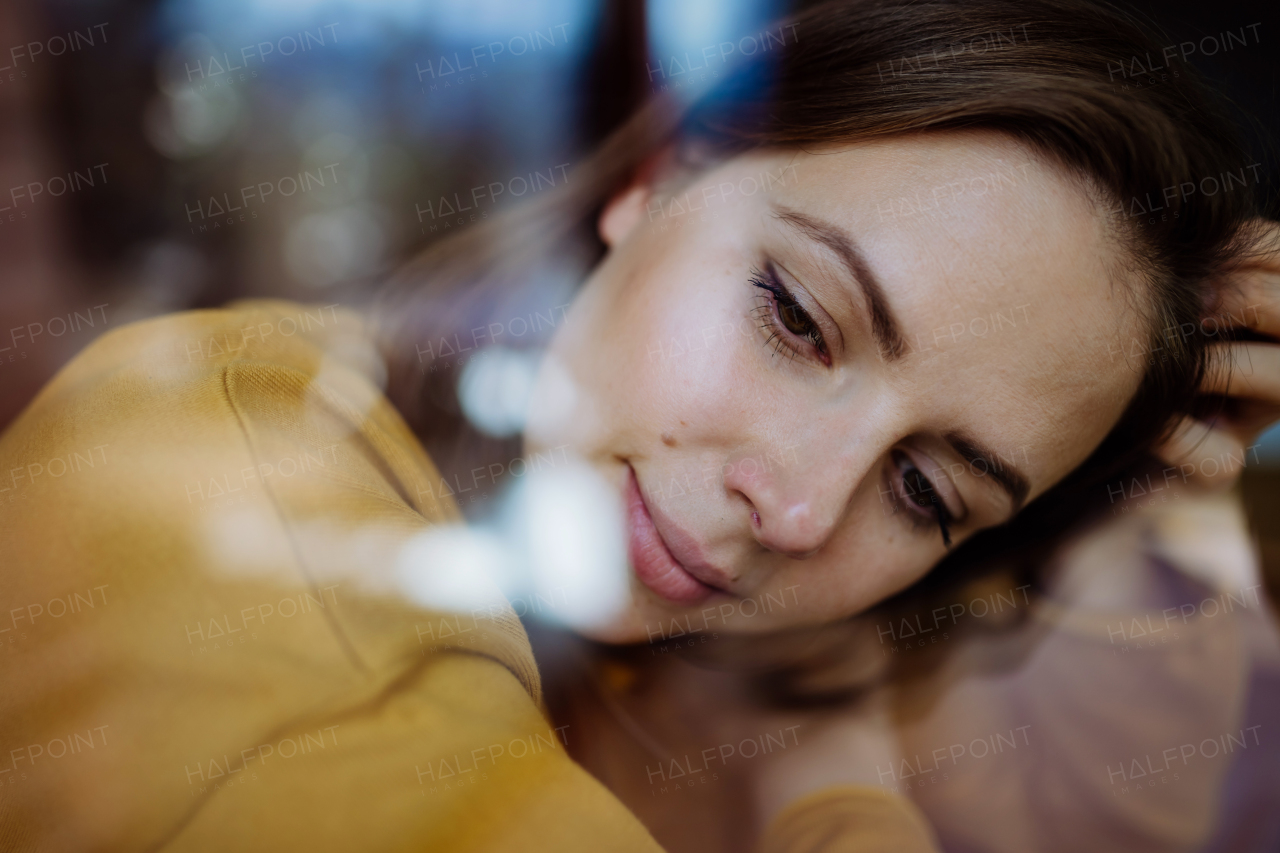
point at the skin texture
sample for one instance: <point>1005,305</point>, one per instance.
<point>780,467</point>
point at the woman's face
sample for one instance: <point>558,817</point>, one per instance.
<point>796,368</point>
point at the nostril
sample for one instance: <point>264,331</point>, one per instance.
<point>793,532</point>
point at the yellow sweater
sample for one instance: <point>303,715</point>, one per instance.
<point>203,638</point>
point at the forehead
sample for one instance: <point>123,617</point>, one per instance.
<point>1004,280</point>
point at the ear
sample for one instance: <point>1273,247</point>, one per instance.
<point>622,213</point>
<point>629,206</point>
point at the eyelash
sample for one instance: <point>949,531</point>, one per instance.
<point>922,490</point>
<point>778,307</point>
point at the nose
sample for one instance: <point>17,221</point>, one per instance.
<point>797,530</point>
<point>796,504</point>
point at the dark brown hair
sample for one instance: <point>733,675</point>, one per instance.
<point>1040,71</point>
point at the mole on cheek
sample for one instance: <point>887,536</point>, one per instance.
<point>668,439</point>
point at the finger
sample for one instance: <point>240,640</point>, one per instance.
<point>1248,299</point>
<point>1248,369</point>
<point>1205,457</point>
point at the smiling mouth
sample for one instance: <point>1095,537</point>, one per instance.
<point>652,560</point>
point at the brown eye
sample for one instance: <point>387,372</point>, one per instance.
<point>782,310</point>
<point>796,321</point>
<point>919,490</point>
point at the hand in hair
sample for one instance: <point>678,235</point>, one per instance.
<point>1242,385</point>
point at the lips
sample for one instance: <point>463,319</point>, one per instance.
<point>651,558</point>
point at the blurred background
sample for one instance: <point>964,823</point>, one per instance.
<point>157,155</point>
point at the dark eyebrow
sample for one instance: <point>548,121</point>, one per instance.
<point>1002,470</point>
<point>884,325</point>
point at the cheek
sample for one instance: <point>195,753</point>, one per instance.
<point>872,560</point>
<point>678,347</point>
<point>869,562</point>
